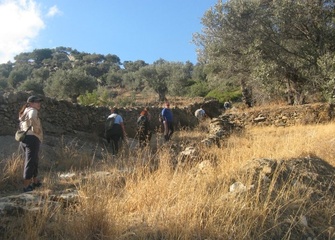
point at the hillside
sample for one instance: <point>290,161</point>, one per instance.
<point>268,174</point>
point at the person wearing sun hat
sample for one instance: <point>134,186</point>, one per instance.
<point>29,120</point>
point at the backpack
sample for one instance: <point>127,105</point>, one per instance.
<point>109,123</point>
<point>141,123</point>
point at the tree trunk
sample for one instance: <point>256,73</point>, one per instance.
<point>295,95</point>
<point>161,96</point>
<point>289,92</point>
<point>246,94</point>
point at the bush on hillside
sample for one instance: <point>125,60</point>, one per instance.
<point>33,85</point>
<point>3,84</point>
<point>234,96</point>
<point>199,89</point>
<point>99,97</point>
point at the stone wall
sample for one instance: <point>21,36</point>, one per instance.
<point>284,115</point>
<point>234,120</point>
<point>62,117</point>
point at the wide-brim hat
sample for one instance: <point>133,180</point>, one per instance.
<point>33,99</point>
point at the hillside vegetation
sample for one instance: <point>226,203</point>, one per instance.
<point>253,52</point>
<point>143,195</point>
<point>260,183</point>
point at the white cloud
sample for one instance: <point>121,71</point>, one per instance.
<point>53,11</point>
<point>20,23</point>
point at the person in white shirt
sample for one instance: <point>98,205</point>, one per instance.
<point>30,122</point>
<point>200,113</point>
<point>117,131</point>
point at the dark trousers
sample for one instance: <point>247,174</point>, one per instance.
<point>115,138</point>
<point>169,131</point>
<point>31,147</point>
<point>114,135</point>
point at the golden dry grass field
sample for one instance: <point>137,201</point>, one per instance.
<point>144,197</point>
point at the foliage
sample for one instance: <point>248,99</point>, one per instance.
<point>114,78</point>
<point>69,84</point>
<point>167,77</point>
<point>327,69</point>
<point>38,55</point>
<point>271,50</point>
<point>156,75</point>
<point>98,97</point>
<point>180,78</point>
<point>40,73</point>
<point>225,96</point>
<point>131,66</point>
<point>22,58</point>
<point>127,101</point>
<point>133,81</point>
<point>103,97</point>
<point>5,69</point>
<point>19,74</point>
<point>93,58</point>
<point>33,85</point>
<point>112,58</point>
<point>199,89</point>
<point>240,37</point>
<point>3,83</point>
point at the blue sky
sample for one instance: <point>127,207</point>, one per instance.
<point>132,29</point>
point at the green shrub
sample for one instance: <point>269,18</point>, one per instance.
<point>33,85</point>
<point>105,97</point>
<point>98,97</point>
<point>3,83</point>
<point>199,89</point>
<point>234,96</point>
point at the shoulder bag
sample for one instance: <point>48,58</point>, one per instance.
<point>20,134</point>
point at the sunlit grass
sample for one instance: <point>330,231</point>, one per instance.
<point>140,201</point>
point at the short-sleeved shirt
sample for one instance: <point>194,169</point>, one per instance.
<point>118,118</point>
<point>200,113</point>
<point>167,114</point>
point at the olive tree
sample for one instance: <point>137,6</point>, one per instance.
<point>156,76</point>
<point>268,44</point>
<point>69,84</point>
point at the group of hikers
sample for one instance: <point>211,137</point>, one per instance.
<point>30,123</point>
<point>114,131</point>
<point>115,128</point>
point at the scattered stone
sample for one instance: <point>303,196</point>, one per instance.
<point>67,175</point>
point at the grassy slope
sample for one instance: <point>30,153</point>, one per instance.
<point>188,203</point>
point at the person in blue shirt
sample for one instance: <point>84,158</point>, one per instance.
<point>167,121</point>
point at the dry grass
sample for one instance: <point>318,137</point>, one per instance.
<point>189,203</point>
<point>11,173</point>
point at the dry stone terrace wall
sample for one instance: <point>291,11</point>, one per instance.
<point>63,117</point>
<point>235,120</point>
<point>284,115</point>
